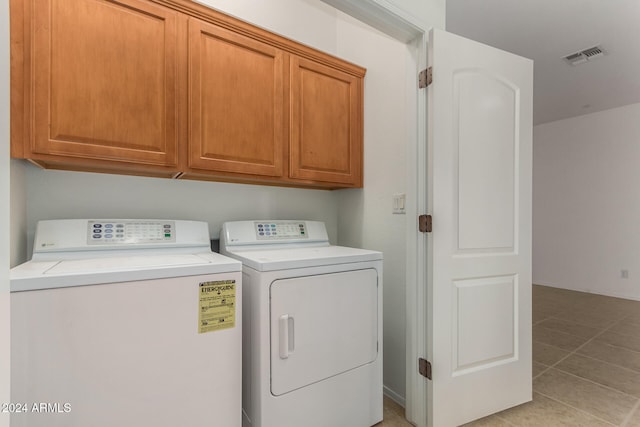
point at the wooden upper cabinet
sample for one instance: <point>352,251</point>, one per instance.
<point>105,83</point>
<point>236,103</point>
<point>173,88</point>
<point>326,123</point>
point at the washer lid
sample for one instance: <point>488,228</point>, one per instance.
<point>34,275</point>
<point>302,257</point>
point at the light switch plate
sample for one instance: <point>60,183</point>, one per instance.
<point>399,203</point>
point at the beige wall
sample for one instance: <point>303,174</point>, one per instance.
<point>365,216</point>
<point>60,194</point>
<point>586,203</point>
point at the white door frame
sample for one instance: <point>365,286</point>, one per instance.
<point>394,22</point>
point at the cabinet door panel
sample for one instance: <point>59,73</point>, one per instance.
<point>105,80</point>
<point>326,124</point>
<point>236,102</point>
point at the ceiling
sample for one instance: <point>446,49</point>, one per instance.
<point>548,30</point>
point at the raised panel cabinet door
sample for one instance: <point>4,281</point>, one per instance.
<point>326,124</point>
<point>236,102</point>
<point>105,80</point>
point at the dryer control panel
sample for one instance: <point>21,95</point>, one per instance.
<point>273,232</point>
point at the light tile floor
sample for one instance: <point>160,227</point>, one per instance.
<point>586,365</point>
<point>393,415</point>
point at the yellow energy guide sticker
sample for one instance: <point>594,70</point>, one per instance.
<point>217,305</point>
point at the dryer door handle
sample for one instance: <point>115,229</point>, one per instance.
<point>286,329</point>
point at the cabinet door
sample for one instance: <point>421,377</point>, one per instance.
<point>236,102</point>
<point>105,80</point>
<point>326,124</point>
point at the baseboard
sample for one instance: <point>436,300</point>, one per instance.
<point>394,396</point>
<point>600,292</point>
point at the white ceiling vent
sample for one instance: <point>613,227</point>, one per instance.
<point>585,55</point>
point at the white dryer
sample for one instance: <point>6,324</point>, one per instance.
<point>125,323</point>
<point>312,327</point>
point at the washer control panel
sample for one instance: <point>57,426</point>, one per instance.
<point>274,230</point>
<point>130,232</point>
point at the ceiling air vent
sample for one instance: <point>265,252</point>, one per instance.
<point>584,55</point>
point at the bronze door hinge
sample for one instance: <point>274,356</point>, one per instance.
<point>425,77</point>
<point>424,368</point>
<point>425,223</point>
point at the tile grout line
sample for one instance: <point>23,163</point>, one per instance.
<point>575,352</point>
<point>601,329</point>
<point>620,347</point>
<point>567,333</point>
<point>507,421</point>
<point>626,420</point>
<point>596,383</point>
<point>586,356</point>
<point>575,349</point>
<point>582,411</point>
<point>542,372</point>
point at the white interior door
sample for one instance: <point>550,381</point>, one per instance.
<point>479,193</point>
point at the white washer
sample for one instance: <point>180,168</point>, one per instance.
<point>125,323</point>
<point>312,327</point>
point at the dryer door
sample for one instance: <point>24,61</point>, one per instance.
<point>321,326</point>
